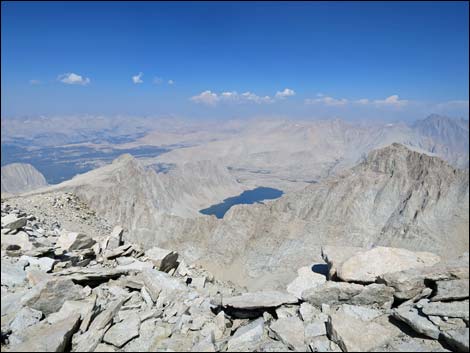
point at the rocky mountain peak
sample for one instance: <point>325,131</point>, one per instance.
<point>398,158</point>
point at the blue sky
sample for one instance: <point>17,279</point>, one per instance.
<point>224,59</point>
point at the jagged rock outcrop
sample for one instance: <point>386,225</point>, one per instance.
<point>21,177</point>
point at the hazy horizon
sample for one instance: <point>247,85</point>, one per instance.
<point>354,61</point>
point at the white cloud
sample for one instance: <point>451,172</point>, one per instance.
<point>392,101</point>
<point>73,79</point>
<point>330,101</point>
<point>34,82</point>
<point>206,97</point>
<point>454,104</point>
<point>212,98</point>
<point>138,78</point>
<point>255,98</point>
<point>171,82</point>
<point>286,93</point>
<point>157,80</point>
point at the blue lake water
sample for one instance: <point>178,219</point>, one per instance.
<point>58,164</point>
<point>247,197</point>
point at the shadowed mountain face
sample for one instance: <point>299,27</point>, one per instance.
<point>21,177</point>
<point>394,197</point>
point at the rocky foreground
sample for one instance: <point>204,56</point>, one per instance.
<point>71,290</point>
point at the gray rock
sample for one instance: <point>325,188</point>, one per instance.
<point>332,293</point>
<point>13,222</point>
<point>115,239</point>
<point>24,318</point>
<point>314,329</point>
<point>306,279</point>
<point>367,266</point>
<point>74,241</point>
<point>323,344</point>
<point>410,283</point>
<point>451,290</point>
<point>377,295</point>
<point>49,296</point>
<point>122,332</point>
<point>119,251</point>
<point>458,309</point>
<point>246,338</point>
<point>45,264</point>
<point>88,341</point>
<point>448,324</point>
<point>418,323</point>
<point>103,347</point>
<point>354,335</point>
<point>198,282</point>
<point>135,266</point>
<point>361,312</point>
<point>334,256</point>
<point>14,241</point>
<point>156,282</point>
<point>46,337</point>
<point>308,312</point>
<point>206,344</point>
<point>12,274</point>
<point>257,300</point>
<point>164,260</point>
<point>291,332</point>
<point>457,339</point>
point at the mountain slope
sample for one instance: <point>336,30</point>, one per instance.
<point>394,197</point>
<point>21,177</point>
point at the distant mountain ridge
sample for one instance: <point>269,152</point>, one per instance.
<point>21,177</point>
<point>394,197</point>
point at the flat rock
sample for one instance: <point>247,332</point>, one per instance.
<point>451,290</point>
<point>291,332</point>
<point>314,329</point>
<point>84,275</point>
<point>306,279</point>
<point>418,323</point>
<point>156,282</point>
<point>323,344</point>
<point>457,339</point>
<point>377,295</point>
<point>74,241</point>
<point>20,239</point>
<point>354,335</point>
<point>308,312</point>
<point>24,318</point>
<point>45,337</point>
<point>13,222</point>
<point>332,293</point>
<point>135,266</point>
<point>164,260</point>
<point>361,312</point>
<point>457,309</point>
<point>334,256</point>
<point>257,300</point>
<point>367,266</point>
<point>45,264</point>
<point>49,296</point>
<point>410,283</point>
<point>247,337</point>
<point>122,332</point>
<point>12,274</point>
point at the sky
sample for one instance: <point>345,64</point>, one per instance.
<point>396,60</point>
